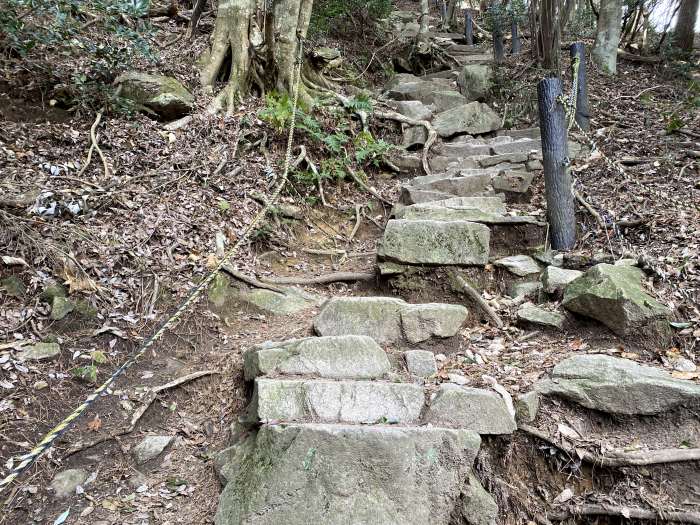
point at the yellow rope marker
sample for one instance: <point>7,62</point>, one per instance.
<point>48,440</point>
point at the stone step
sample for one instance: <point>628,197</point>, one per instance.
<point>465,183</point>
<point>480,410</point>
<point>321,401</point>
<point>517,146</point>
<point>435,242</point>
<point>388,319</point>
<point>527,133</point>
<point>346,474</point>
<point>485,204</point>
<point>335,357</point>
<point>485,58</point>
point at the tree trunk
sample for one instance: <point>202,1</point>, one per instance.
<point>607,36</point>
<point>424,15</point>
<point>549,34</point>
<point>235,57</point>
<point>565,15</point>
<point>684,33</point>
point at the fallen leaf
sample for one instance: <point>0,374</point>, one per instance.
<point>685,375</point>
<point>13,261</point>
<point>62,518</point>
<point>564,496</point>
<point>95,424</point>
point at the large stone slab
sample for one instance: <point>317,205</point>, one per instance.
<point>465,149</point>
<point>474,181</point>
<point>618,386</point>
<point>435,242</point>
<point>473,118</point>
<point>337,357</point>
<point>376,317</point>
<point>475,409</point>
<point>359,402</point>
<point>555,279</point>
<point>526,133</point>
<point>484,204</point>
<point>529,313</point>
<point>386,319</point>
<point>517,146</point>
<point>339,475</point>
<point>614,296</point>
<point>420,322</point>
<point>445,214</point>
<point>446,99</point>
<point>413,195</point>
<point>520,265</point>
<point>475,81</point>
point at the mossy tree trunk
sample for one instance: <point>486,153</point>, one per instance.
<point>241,59</point>
<point>607,36</point>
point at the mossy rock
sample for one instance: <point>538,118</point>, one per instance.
<point>165,96</point>
<point>13,286</point>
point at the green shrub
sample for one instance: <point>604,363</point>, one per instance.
<point>339,17</point>
<point>82,45</point>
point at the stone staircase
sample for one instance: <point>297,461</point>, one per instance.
<point>340,430</point>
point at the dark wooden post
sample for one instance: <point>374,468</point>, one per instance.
<point>583,112</point>
<point>515,38</point>
<point>468,28</point>
<point>555,153</point>
<point>498,51</point>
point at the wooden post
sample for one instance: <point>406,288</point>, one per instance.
<point>515,38</point>
<point>557,179</point>
<point>498,51</point>
<point>468,28</point>
<point>583,112</point>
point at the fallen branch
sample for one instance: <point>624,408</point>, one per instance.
<point>476,297</point>
<point>624,55</point>
<point>364,186</point>
<point>138,414</point>
<point>250,280</point>
<point>590,209</point>
<point>432,134</point>
<point>358,221</point>
<point>322,279</point>
<point>620,458</point>
<point>627,512</point>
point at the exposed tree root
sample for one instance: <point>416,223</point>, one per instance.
<point>476,297</point>
<point>138,414</point>
<point>590,209</point>
<point>627,512</point>
<point>368,189</point>
<point>250,280</point>
<point>323,279</point>
<point>432,134</point>
<point>619,458</point>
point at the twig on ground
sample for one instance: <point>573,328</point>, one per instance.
<point>314,251</point>
<point>620,458</point>
<point>323,279</point>
<point>138,414</point>
<point>250,280</point>
<point>476,297</point>
<point>590,209</point>
<point>641,92</point>
<point>626,512</point>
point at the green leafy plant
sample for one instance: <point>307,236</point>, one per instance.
<point>368,150</point>
<point>339,17</point>
<point>76,46</point>
<point>86,373</point>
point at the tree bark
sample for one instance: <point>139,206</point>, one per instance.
<point>424,15</point>
<point>557,179</point>
<point>684,32</point>
<point>607,36</point>
<point>287,20</point>
<point>549,34</point>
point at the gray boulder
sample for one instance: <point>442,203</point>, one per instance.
<point>422,321</point>
<point>512,181</point>
<point>475,409</point>
<point>618,386</point>
<point>336,475</point>
<point>165,96</point>
<point>435,242</point>
<point>150,448</point>
<point>475,81</point>
<point>520,265</point>
<point>337,357</point>
<point>614,296</point>
<point>554,279</point>
<point>527,289</point>
<point>65,482</point>
<point>473,118</point>
<point>478,506</point>
<point>420,363</point>
<point>529,313</point>
<point>446,99</point>
<point>359,402</point>
<point>40,352</point>
<point>467,183</point>
<point>413,195</point>
<point>414,109</point>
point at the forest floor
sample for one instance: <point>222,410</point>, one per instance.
<point>147,231</point>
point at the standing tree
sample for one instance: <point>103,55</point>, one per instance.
<point>684,32</point>
<point>242,57</point>
<point>607,36</point>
